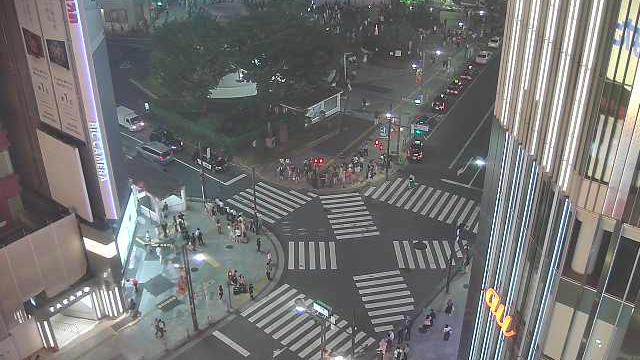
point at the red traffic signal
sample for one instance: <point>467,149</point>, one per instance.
<point>318,161</point>
<point>378,144</point>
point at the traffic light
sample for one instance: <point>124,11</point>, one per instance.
<point>318,162</point>
<point>378,144</point>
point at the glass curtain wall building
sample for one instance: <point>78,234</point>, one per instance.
<point>557,262</point>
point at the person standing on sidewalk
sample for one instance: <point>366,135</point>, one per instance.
<point>200,237</point>
<point>220,292</point>
<point>258,244</point>
<point>251,291</point>
<point>446,332</point>
<point>449,308</point>
<point>268,271</point>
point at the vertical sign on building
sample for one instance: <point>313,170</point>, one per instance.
<point>37,56</point>
<point>64,85</point>
<point>86,80</point>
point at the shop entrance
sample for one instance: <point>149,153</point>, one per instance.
<point>74,321</point>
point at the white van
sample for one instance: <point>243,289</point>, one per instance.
<point>129,119</point>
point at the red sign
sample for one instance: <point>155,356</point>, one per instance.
<point>72,11</point>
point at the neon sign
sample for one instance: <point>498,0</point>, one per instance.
<point>72,11</point>
<point>492,299</point>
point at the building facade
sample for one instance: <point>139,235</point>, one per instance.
<point>64,190</point>
<point>556,273</point>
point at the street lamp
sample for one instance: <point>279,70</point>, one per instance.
<point>480,162</point>
<point>320,312</point>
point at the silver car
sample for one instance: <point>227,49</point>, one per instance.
<point>156,152</point>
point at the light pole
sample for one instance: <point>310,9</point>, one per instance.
<point>192,303</point>
<point>255,206</point>
<point>387,162</point>
<point>320,312</point>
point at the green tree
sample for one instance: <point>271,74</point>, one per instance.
<point>189,58</point>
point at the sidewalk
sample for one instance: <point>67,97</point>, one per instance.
<point>158,274</point>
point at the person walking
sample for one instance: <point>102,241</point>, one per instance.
<point>446,332</point>
<point>269,258</point>
<point>268,271</point>
<point>220,292</point>
<point>251,291</point>
<point>405,352</point>
<point>449,308</point>
<point>200,237</point>
<point>134,282</point>
<point>258,244</point>
<point>432,314</point>
<point>219,226</point>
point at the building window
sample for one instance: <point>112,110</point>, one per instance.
<point>632,208</point>
<point>622,267</point>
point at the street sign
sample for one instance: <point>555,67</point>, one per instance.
<point>322,308</point>
<point>383,131</point>
<point>421,127</point>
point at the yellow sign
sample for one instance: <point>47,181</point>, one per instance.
<point>492,299</point>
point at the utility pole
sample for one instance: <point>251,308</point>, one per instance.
<point>192,303</point>
<point>387,158</point>
<point>255,206</point>
<point>399,128</point>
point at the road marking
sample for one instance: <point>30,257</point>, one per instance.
<point>387,319</point>
<point>404,197</point>
<point>275,314</point>
<point>240,206</point>
<point>473,216</point>
<point>420,259</point>
<point>351,236</point>
<point>376,275</point>
<point>323,260</point>
<point>389,302</point>
<point>431,201</point>
<point>430,259</point>
<point>333,216</point>
<point>407,249</point>
<point>396,247</point>
<point>393,186</point>
<point>439,204</point>
<point>386,295</point>
<point>465,211</point>
<point>355,203</point>
<point>332,255</point>
<point>369,191</point>
<point>473,134</point>
<point>382,288</point>
<point>456,210</point>
<point>379,281</point>
<point>447,250</point>
<point>292,251</point>
<point>272,304</point>
<point>242,351</point>
<point>264,300</point>
<point>278,191</point>
<point>305,198</point>
<point>480,168</point>
<point>340,226</point>
<point>241,176</point>
<point>301,265</point>
<point>333,196</point>
<point>445,211</point>
<point>460,184</point>
<point>422,199</point>
<point>398,192</point>
<point>299,331</point>
<point>439,255</point>
<point>391,310</point>
<point>345,231</point>
<point>357,218</point>
<point>380,190</point>
<point>414,197</point>
<point>342,200</point>
<point>312,254</point>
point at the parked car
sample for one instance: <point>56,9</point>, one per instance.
<point>129,119</point>
<point>440,104</point>
<point>167,138</point>
<point>468,72</point>
<point>494,42</point>
<point>455,88</point>
<point>424,125</point>
<point>416,150</point>
<point>156,152</point>
<point>483,57</point>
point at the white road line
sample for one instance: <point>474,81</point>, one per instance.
<point>261,194</point>
<point>312,255</point>
<point>432,263</point>
<point>289,196</point>
<point>407,251</point>
<point>473,216</point>
<point>383,328</point>
<point>445,211</point>
<point>360,229</point>
<point>234,179</point>
<point>272,305</point>
<point>351,236</point>
<point>357,218</point>
<point>475,229</point>
<point>301,264</point>
<point>396,248</point>
<point>305,339</point>
<point>292,251</point>
<point>288,306</point>
<point>340,226</point>
<point>333,216</point>
<point>379,281</point>
<point>301,196</point>
<point>338,195</point>
<point>404,197</point>
<point>291,325</point>
<point>332,255</point>
<point>261,203</point>
<point>422,199</point>
<point>341,200</point>
<point>460,184</point>
<point>398,192</point>
<point>232,344</point>
<point>323,259</point>
<point>270,194</point>
<point>376,275</point>
<point>342,205</point>
<point>380,190</point>
<point>288,314</point>
<point>447,250</point>
<point>299,331</point>
<point>439,205</point>
<point>356,208</point>
<point>265,299</point>
<point>391,310</point>
<point>312,194</point>
<point>338,339</point>
<point>436,246</point>
<point>347,346</point>
<point>240,206</point>
<point>386,295</point>
<point>388,303</point>
<point>455,211</point>
<point>465,211</point>
<point>369,191</point>
<point>414,197</point>
<point>387,319</point>
<point>249,204</point>
<point>382,288</point>
<point>431,201</point>
<point>391,188</point>
<point>420,258</point>
<point>473,134</point>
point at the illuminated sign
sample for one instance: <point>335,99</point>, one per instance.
<point>492,299</point>
<point>72,11</point>
<point>98,152</point>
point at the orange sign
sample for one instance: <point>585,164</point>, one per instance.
<point>492,299</point>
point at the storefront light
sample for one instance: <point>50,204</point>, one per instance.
<point>86,289</point>
<point>58,306</point>
<point>52,309</point>
<point>79,293</point>
<point>65,301</point>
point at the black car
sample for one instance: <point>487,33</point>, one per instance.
<point>167,138</point>
<point>440,104</point>
<point>455,88</point>
<point>416,150</point>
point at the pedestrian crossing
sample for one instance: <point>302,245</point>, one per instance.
<point>429,254</point>
<point>425,200</point>
<point>312,255</point>
<point>386,298</point>
<point>276,315</point>
<point>272,204</point>
<point>348,216</point>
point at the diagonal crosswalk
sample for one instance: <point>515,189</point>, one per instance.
<point>425,200</point>
<point>312,255</point>
<point>275,314</point>
<point>386,298</point>
<point>272,204</point>
<point>429,254</point>
<point>348,216</point>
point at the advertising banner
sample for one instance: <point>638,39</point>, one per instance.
<point>37,59</point>
<point>64,85</point>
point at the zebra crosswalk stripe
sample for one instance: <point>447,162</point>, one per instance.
<point>430,259</point>
<point>260,210</point>
<point>312,255</point>
<point>280,199</point>
<point>361,223</point>
<point>407,249</point>
<point>473,216</point>
<point>356,208</point>
<point>455,211</point>
<point>332,255</point>
<point>431,201</point>
<point>273,304</point>
<point>260,215</point>
<point>301,196</point>
<point>380,190</point>
<point>398,192</point>
<point>414,197</point>
<point>420,258</point>
<point>391,188</point>
<point>404,197</point>
<point>292,252</point>
<point>260,201</point>
<point>334,196</point>
<point>465,212</point>
<point>443,198</point>
<point>369,191</point>
<point>439,255</point>
<point>341,200</point>
<point>323,259</point>
<point>475,229</point>
<point>274,314</point>
<point>265,299</point>
<point>288,196</point>
<point>396,247</point>
<point>422,199</point>
<point>376,275</point>
<point>357,218</point>
<point>447,208</point>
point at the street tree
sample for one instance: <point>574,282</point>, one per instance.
<point>189,58</point>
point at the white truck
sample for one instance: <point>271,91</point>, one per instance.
<point>129,119</point>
